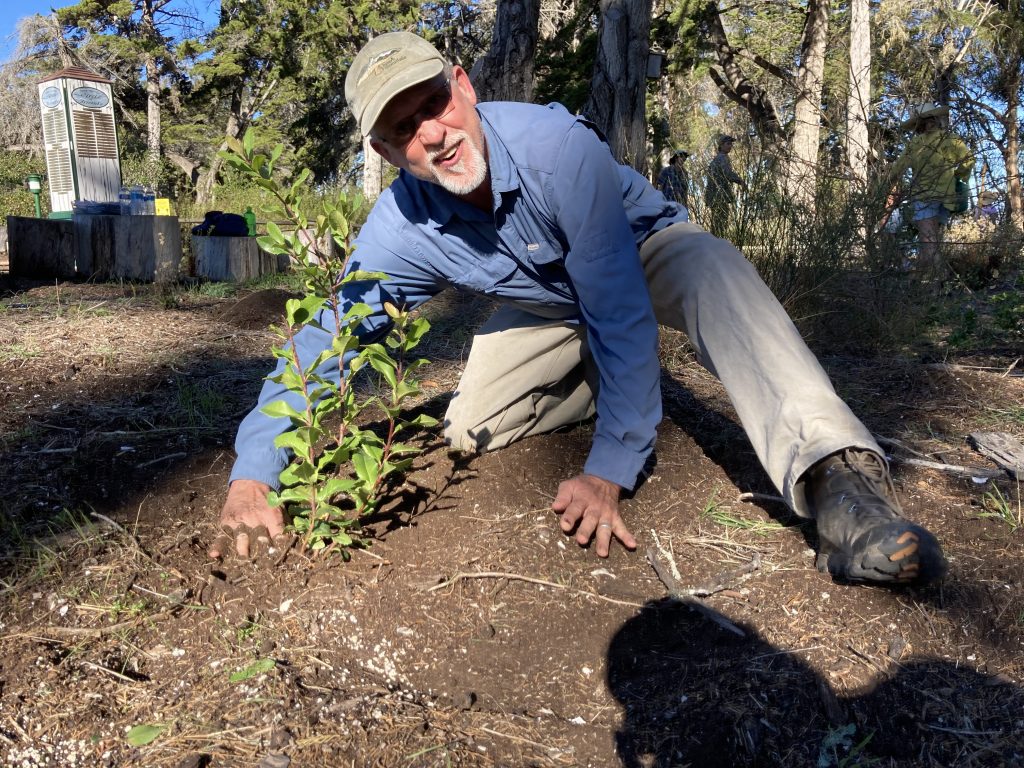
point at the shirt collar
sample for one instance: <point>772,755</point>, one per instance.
<point>504,175</point>
<point>504,179</point>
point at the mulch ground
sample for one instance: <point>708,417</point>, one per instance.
<point>471,631</point>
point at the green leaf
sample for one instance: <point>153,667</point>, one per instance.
<point>300,311</point>
<point>141,735</point>
<point>423,420</point>
<point>385,366</point>
<point>298,495</point>
<point>358,310</point>
<point>415,331</point>
<point>248,142</point>
<point>365,467</point>
<point>303,175</point>
<point>400,448</point>
<point>266,242</point>
<point>298,471</point>
<point>292,441</point>
<point>275,233</point>
<point>257,668</point>
<point>337,485</point>
<point>405,389</point>
<point>358,275</point>
<point>402,465</point>
<point>339,224</point>
<point>278,409</point>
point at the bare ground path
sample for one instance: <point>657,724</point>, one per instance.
<point>472,632</point>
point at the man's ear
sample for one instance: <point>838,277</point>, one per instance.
<point>383,150</point>
<point>462,81</point>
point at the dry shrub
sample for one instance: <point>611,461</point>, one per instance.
<point>979,247</point>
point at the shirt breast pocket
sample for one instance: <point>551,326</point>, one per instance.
<point>547,264</point>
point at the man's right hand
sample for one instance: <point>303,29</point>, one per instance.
<point>247,516</point>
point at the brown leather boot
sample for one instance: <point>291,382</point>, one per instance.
<point>863,534</point>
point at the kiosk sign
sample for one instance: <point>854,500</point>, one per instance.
<point>90,97</point>
<point>51,97</point>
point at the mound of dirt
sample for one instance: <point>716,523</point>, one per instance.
<point>257,310</point>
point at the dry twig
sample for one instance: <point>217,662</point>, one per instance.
<point>530,579</point>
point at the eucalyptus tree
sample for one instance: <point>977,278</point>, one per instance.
<point>618,86</point>
<point>506,71</point>
<point>769,58</point>
<point>992,91</point>
<point>858,97</point>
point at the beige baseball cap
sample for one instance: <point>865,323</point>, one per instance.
<point>386,66</point>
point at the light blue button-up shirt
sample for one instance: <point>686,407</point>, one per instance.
<point>561,242</point>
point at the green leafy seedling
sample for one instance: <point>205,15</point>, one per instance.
<point>338,474</point>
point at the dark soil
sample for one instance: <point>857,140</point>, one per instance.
<point>471,631</point>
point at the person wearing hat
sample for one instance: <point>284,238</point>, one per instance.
<point>525,203</point>
<point>988,205</point>
<point>937,160</point>
<point>674,181</point>
<point>718,194</point>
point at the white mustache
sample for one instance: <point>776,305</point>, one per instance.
<point>446,150</point>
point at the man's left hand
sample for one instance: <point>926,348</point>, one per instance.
<point>591,505</point>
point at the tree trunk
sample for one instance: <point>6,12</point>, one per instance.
<point>1011,144</point>
<point>802,172</point>
<point>233,129</point>
<point>618,87</point>
<point>152,109</point>
<point>373,172</point>
<point>150,33</point>
<point>858,101</point>
<point>506,72</point>
<point>737,87</point>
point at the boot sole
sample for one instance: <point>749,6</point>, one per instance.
<point>898,553</point>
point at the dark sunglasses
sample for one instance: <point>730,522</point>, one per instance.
<point>434,107</point>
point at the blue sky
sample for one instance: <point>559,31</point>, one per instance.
<point>13,10</point>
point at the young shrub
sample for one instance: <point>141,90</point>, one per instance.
<point>339,474</point>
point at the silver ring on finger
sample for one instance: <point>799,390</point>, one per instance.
<point>604,525</point>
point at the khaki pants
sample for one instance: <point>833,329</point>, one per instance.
<point>527,375</point>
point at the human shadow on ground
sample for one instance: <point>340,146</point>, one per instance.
<point>694,694</point>
<point>980,603</point>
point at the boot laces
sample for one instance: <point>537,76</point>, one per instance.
<point>875,486</point>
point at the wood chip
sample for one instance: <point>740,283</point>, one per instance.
<point>1004,449</point>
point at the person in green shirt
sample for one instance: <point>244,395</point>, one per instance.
<point>936,159</point>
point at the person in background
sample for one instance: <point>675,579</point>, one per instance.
<point>719,195</point>
<point>937,160</point>
<point>674,181</point>
<point>988,205</point>
<point>526,204</point>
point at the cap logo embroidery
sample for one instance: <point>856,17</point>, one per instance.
<point>380,62</point>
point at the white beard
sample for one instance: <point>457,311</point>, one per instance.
<point>465,176</point>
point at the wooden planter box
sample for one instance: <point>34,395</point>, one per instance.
<point>143,248</point>
<point>232,258</point>
<point>146,248</point>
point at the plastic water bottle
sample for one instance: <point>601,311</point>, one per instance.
<point>250,221</point>
<point>148,201</point>
<point>124,201</point>
<point>137,204</point>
